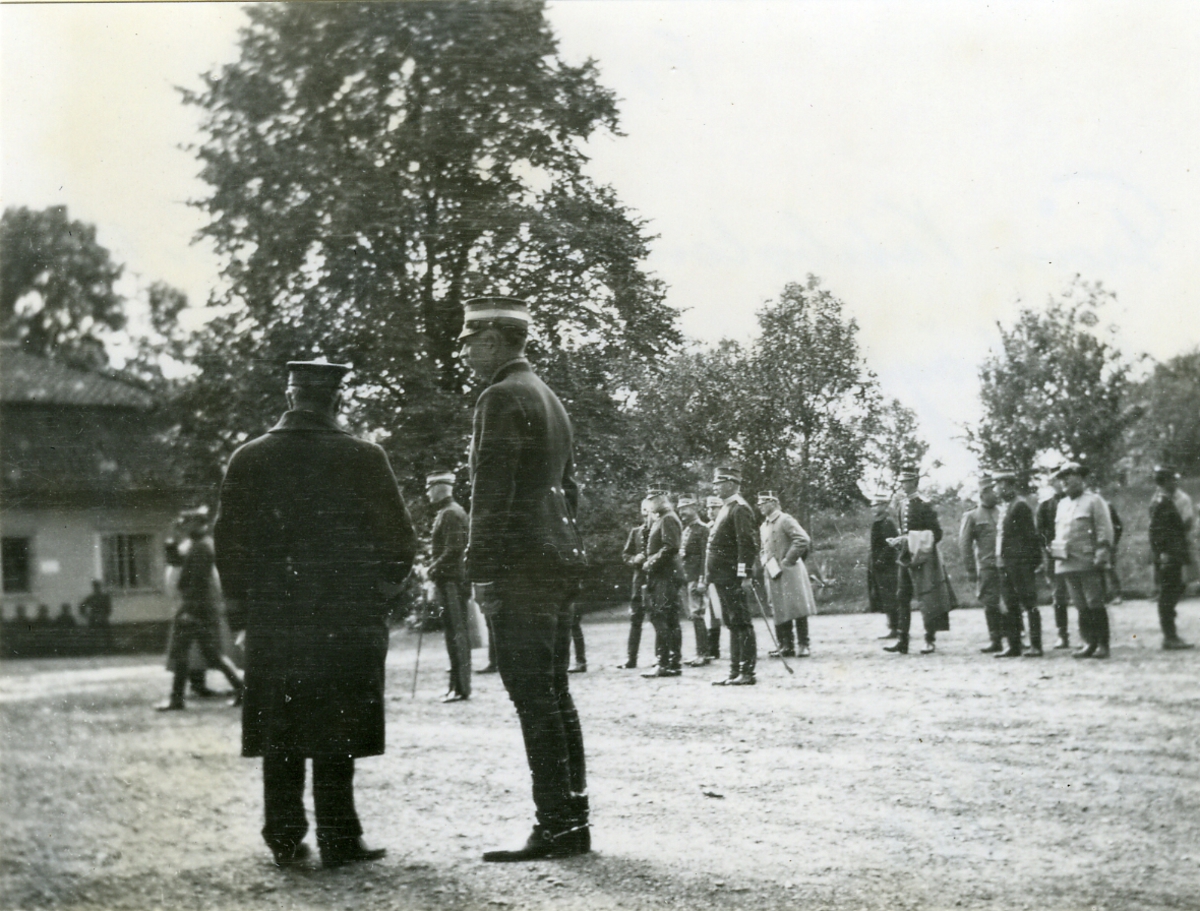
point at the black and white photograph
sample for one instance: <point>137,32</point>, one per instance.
<point>600,455</point>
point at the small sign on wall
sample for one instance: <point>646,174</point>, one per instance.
<point>49,567</point>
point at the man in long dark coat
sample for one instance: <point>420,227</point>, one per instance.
<point>1171,518</point>
<point>634,555</point>
<point>524,560</point>
<point>311,531</point>
<point>732,551</point>
<point>448,572</point>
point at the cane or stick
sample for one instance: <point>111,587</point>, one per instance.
<point>762,612</point>
<point>417,664</point>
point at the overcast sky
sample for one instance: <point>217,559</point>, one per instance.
<point>935,163</point>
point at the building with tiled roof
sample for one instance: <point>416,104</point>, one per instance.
<point>88,491</point>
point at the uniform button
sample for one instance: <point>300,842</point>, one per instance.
<point>565,519</point>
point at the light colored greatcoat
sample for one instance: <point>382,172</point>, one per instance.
<point>790,593</point>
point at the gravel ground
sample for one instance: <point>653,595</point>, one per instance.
<point>864,781</point>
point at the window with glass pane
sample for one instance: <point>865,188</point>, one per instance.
<point>126,561</point>
<point>17,574</point>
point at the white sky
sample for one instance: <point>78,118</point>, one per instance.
<point>934,163</point>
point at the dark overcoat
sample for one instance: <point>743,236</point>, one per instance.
<point>524,497</point>
<point>881,567</point>
<point>732,541</point>
<point>1020,543</point>
<point>310,523</point>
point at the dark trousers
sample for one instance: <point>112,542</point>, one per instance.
<point>577,638</point>
<point>989,597</point>
<point>637,615</point>
<point>333,800</point>
<point>904,596</point>
<point>668,639</point>
<point>186,632</point>
<point>1170,589</point>
<point>791,633</point>
<point>458,637</point>
<point>1061,600</point>
<point>701,632</point>
<point>533,640</point>
<point>1087,591</point>
<point>743,646</point>
<point>1018,586</point>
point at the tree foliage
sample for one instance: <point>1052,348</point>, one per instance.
<point>895,444</point>
<point>796,407</point>
<point>1168,426</point>
<point>371,166</point>
<point>1055,386</point>
<point>57,293</point>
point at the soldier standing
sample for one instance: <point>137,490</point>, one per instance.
<point>447,571</point>
<point>1018,553</point>
<point>1045,520</point>
<point>1082,548</point>
<point>881,564</point>
<point>1171,518</point>
<point>712,507</point>
<point>524,560</point>
<point>916,514</point>
<point>977,543</point>
<point>663,570</point>
<point>311,536</point>
<point>785,544</point>
<point>732,550</point>
<point>691,549</point>
<point>634,555</point>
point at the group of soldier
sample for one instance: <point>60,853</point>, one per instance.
<point>312,538</point>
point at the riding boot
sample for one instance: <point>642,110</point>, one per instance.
<point>1035,629</point>
<point>787,642</point>
<point>735,653</point>
<point>701,637</point>
<point>1104,631</point>
<point>749,651</point>
<point>802,633</point>
<point>635,642</point>
<point>1166,620</point>
<point>714,641</point>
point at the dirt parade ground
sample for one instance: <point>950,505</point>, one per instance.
<point>863,781</point>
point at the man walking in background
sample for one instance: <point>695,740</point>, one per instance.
<point>447,571</point>
<point>1172,516</point>
<point>311,536</point>
<point>524,559</point>
<point>977,544</point>
<point>732,551</point>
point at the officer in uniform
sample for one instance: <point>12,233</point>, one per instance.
<point>524,558</point>
<point>447,571</point>
<point>915,514</point>
<point>1046,512</point>
<point>785,544</point>
<point>881,563</point>
<point>732,550</point>
<point>663,570</point>
<point>1018,553</point>
<point>1082,549</point>
<point>977,543</point>
<point>712,507</point>
<point>311,537</point>
<point>1171,518</point>
<point>691,549</point>
<point>634,555</point>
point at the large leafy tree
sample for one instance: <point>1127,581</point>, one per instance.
<point>1055,386</point>
<point>1168,426</point>
<point>374,164</point>
<point>896,443</point>
<point>57,286</point>
<point>796,407</point>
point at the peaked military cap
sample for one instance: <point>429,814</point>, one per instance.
<point>1072,468</point>
<point>909,473</point>
<point>688,501</point>
<point>480,313</point>
<point>882,498</point>
<point>727,473</point>
<point>655,492</point>
<point>986,480</point>
<point>316,373</point>
<point>1004,475</point>
<point>439,477</point>
<point>768,495</point>
<point>711,502</point>
<point>1165,472</point>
